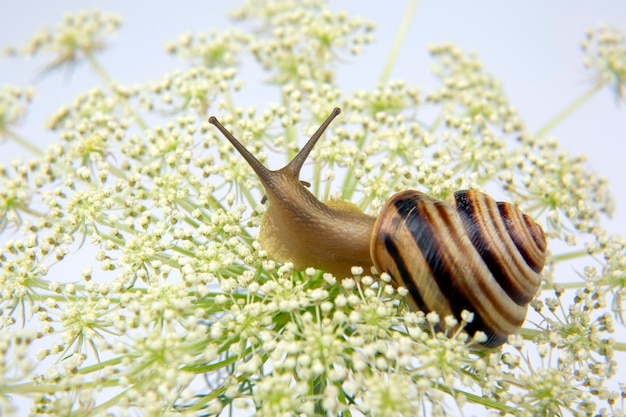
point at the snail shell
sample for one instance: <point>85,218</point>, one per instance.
<point>467,253</point>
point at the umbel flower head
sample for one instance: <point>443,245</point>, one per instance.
<point>605,51</point>
<point>132,281</point>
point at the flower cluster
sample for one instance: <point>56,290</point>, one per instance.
<point>467,87</point>
<point>77,37</point>
<point>301,41</point>
<point>212,49</point>
<point>605,51</point>
<point>13,104</point>
<point>132,282</point>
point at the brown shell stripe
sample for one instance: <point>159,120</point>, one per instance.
<point>400,266</point>
<point>462,273</point>
<point>526,234</point>
<point>461,278</point>
<point>403,271</point>
<point>394,251</point>
<point>489,235</point>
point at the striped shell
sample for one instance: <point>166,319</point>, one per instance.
<point>466,253</point>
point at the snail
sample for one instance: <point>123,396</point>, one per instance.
<point>467,252</point>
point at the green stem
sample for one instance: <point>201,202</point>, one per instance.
<point>476,399</point>
<point>98,68</point>
<point>207,398</point>
<point>24,143</point>
<point>108,404</point>
<point>565,285</point>
<point>397,43</point>
<point>568,256</point>
<point>350,183</point>
<point>32,388</point>
<point>569,110</point>
<point>109,82</point>
<point>252,202</point>
<point>100,365</point>
<point>213,367</point>
<point>317,174</point>
<point>621,347</point>
<point>349,186</point>
<point>327,185</point>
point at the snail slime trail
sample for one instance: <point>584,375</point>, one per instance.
<point>468,252</point>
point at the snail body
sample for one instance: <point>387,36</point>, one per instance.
<point>465,253</point>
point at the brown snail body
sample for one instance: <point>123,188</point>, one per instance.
<point>466,253</point>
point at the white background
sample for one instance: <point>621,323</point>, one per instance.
<point>531,46</point>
